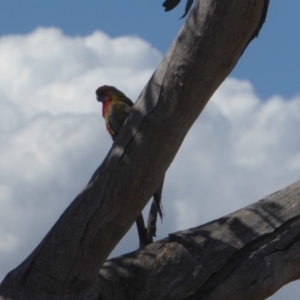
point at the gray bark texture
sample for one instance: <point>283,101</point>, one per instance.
<point>247,255</point>
<point>66,264</point>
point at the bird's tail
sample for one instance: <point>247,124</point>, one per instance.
<point>157,200</point>
<point>156,208</point>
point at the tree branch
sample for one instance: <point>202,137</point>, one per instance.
<point>249,254</point>
<point>66,263</point>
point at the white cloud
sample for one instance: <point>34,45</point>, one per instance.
<point>54,73</point>
<point>240,149</point>
<point>52,137</point>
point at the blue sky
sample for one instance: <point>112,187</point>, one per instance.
<point>271,62</point>
<point>239,143</point>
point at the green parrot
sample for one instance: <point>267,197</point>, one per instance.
<point>115,110</point>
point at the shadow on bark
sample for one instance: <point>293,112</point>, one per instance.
<point>249,254</point>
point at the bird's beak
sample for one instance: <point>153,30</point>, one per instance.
<point>101,98</point>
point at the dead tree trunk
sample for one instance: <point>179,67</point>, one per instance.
<point>247,255</point>
<point>66,263</point>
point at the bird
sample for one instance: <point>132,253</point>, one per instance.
<point>116,107</point>
<point>115,110</point>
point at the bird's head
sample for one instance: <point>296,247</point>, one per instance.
<point>107,93</point>
<point>104,93</point>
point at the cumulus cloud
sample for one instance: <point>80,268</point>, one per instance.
<point>52,137</point>
<point>240,150</point>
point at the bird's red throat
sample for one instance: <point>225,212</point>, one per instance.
<point>105,108</point>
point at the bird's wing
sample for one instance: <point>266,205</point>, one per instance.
<point>118,115</point>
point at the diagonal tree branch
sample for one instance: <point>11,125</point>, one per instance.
<point>249,254</point>
<point>66,263</point>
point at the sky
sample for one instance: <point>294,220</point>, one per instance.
<point>53,56</point>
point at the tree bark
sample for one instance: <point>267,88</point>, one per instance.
<point>246,255</point>
<point>65,265</point>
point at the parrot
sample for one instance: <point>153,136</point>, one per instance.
<point>116,107</point>
<point>115,110</point>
